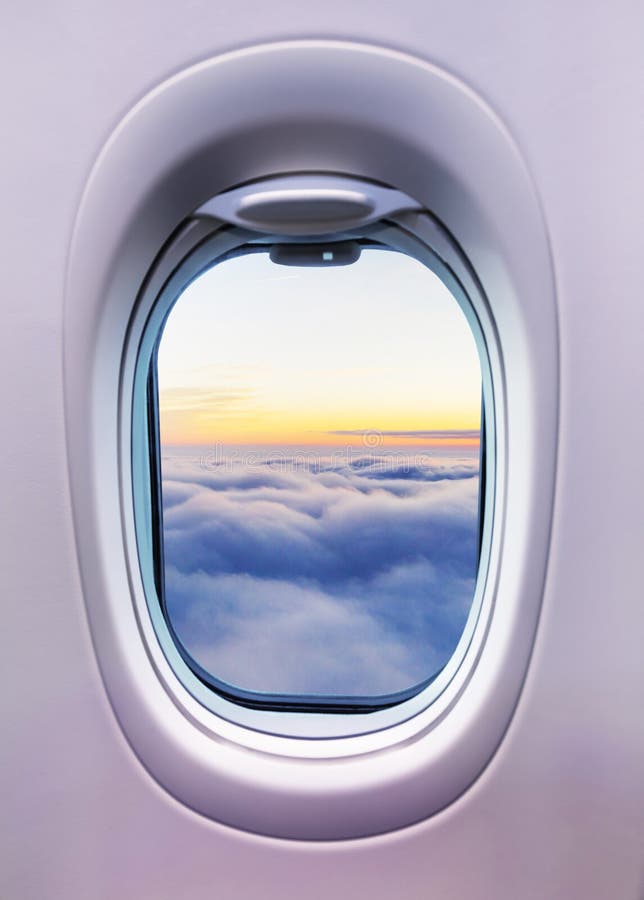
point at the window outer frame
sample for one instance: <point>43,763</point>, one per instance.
<point>380,114</point>
<point>295,718</point>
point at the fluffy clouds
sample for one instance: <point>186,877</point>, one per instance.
<point>320,575</point>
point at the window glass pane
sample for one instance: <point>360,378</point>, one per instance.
<point>320,432</point>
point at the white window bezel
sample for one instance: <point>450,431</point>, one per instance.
<point>415,235</point>
<point>382,116</point>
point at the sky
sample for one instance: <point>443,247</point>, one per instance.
<point>320,463</point>
<point>256,353</point>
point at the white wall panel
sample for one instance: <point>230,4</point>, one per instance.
<point>560,811</point>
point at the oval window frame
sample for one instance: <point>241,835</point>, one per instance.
<point>396,120</point>
<point>209,246</point>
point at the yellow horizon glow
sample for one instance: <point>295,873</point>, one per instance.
<point>353,444</point>
<point>188,431</point>
<point>188,422</point>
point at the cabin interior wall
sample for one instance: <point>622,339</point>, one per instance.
<point>558,813</point>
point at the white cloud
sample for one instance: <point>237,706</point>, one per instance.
<point>332,578</point>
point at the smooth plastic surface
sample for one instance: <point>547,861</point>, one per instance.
<point>316,203</point>
<point>558,813</point>
<point>280,109</point>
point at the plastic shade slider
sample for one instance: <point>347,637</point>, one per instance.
<point>339,253</point>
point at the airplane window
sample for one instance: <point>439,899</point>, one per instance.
<point>318,428</point>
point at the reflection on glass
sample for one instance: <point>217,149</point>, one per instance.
<point>320,460</point>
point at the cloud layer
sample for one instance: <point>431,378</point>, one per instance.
<point>317,575</point>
